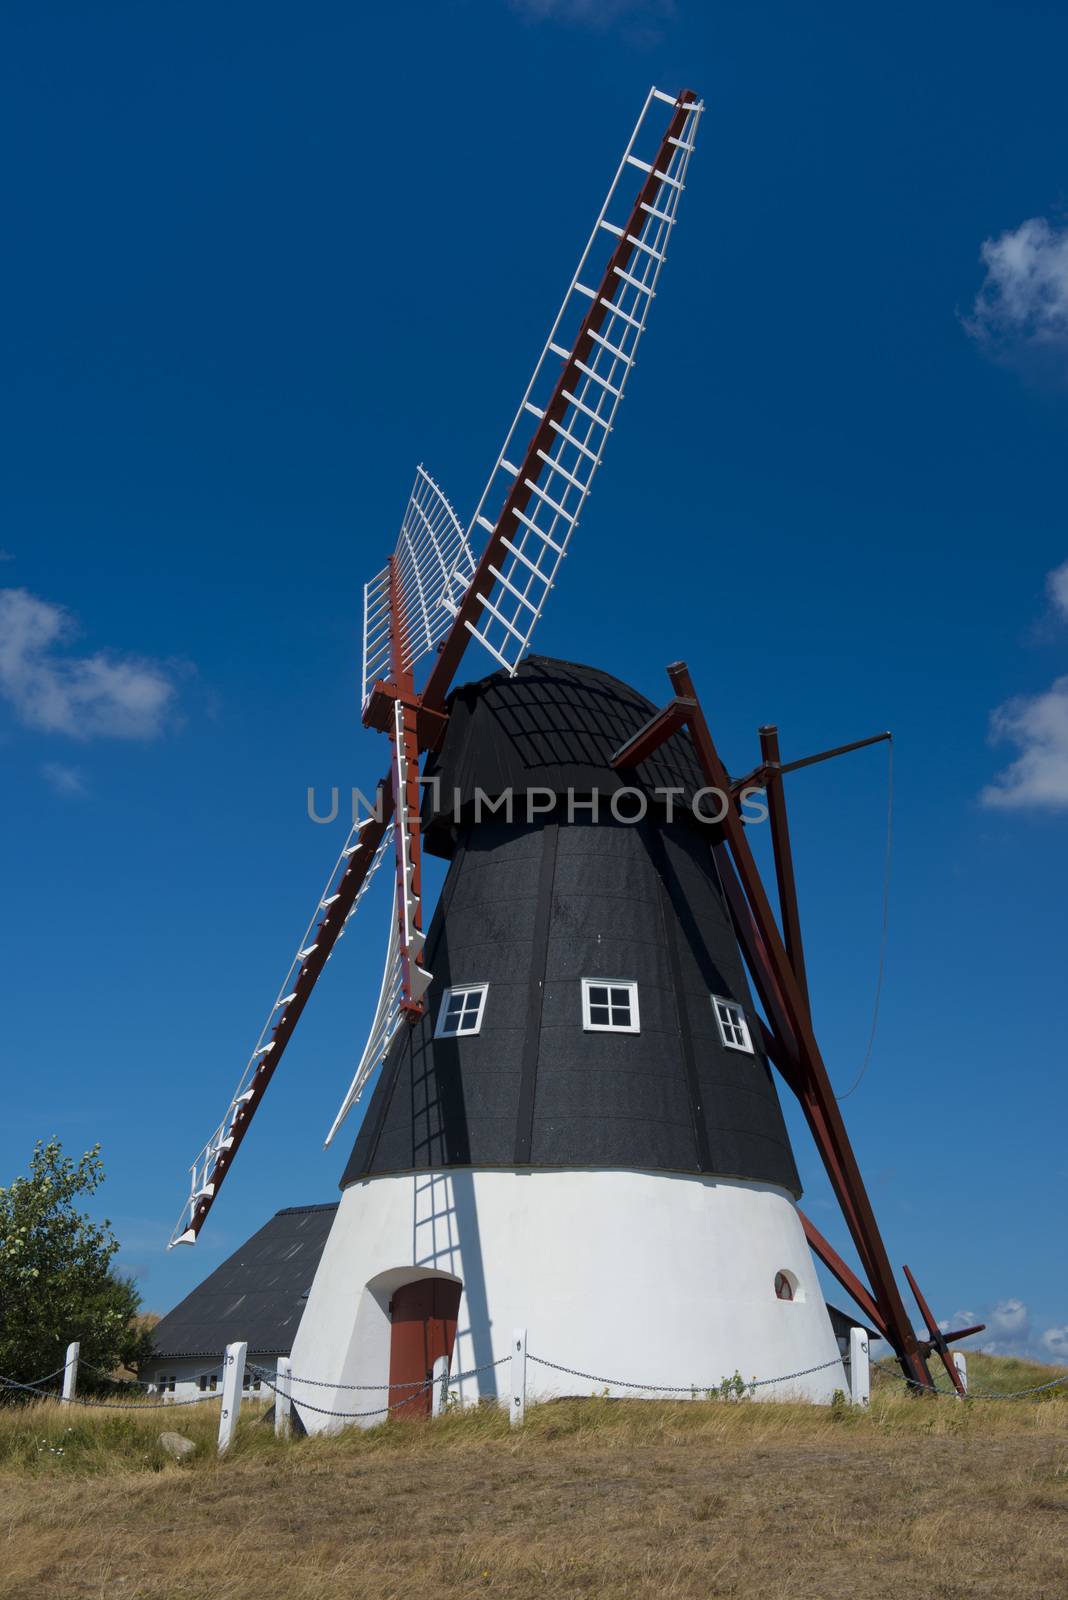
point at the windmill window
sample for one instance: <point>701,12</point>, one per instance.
<point>610,1007</point>
<point>461,1011</point>
<point>786,1286</point>
<point>733,1028</point>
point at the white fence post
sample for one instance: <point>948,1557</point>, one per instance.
<point>283,1400</point>
<point>439,1390</point>
<point>233,1377</point>
<point>960,1361</point>
<point>859,1367</point>
<point>70,1371</point>
<point>518,1406</point>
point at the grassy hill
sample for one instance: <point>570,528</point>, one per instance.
<point>629,1499</point>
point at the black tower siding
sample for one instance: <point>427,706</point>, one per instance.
<point>531,909</point>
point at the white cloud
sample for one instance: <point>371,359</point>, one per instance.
<point>1008,1329</point>
<point>1057,588</point>
<point>63,779</point>
<point>1006,1332</point>
<point>959,1319</point>
<point>1038,725</point>
<point>1009,1319</point>
<point>85,697</point>
<point>1055,1342</point>
<point>1038,778</point>
<point>1023,302</point>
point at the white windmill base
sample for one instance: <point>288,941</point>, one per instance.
<point>658,1279</point>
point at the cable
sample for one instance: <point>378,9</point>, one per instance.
<point>886,920</point>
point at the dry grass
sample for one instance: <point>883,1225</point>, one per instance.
<point>632,1500</point>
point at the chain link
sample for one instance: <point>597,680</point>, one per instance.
<point>679,1388</point>
<point>379,1411</point>
<point>973,1394</point>
<point>46,1379</point>
<point>109,1405</point>
<point>326,1383</point>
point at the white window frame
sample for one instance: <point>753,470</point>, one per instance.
<point>633,1026</point>
<point>738,1021</point>
<point>441,1032</point>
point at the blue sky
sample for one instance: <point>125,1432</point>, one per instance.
<point>260,262</point>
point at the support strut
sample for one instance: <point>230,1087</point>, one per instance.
<point>776,963</point>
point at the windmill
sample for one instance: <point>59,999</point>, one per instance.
<point>635,1092</point>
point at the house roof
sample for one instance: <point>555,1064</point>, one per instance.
<point>258,1294</point>
<point>842,1321</point>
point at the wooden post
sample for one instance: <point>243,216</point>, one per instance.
<point>283,1399</point>
<point>960,1361</point>
<point>439,1391</point>
<point>518,1398</point>
<point>70,1371</point>
<point>784,861</point>
<point>233,1378</point>
<point>859,1367</point>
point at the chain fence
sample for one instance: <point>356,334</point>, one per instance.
<point>680,1388</point>
<point>107,1405</point>
<point>416,1389</point>
<point>425,1387</point>
<point>420,1387</point>
<point>972,1394</point>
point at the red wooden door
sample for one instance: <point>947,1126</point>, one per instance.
<point>424,1328</point>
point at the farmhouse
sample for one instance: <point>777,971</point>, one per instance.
<point>258,1294</point>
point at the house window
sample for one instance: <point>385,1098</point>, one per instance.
<point>610,1007</point>
<point>461,1011</point>
<point>249,1382</point>
<point>784,1285</point>
<point>209,1382</point>
<point>733,1028</point>
<point>166,1385</point>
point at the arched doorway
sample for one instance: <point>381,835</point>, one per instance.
<point>423,1317</point>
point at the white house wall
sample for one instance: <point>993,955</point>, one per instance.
<point>186,1372</point>
<point>652,1278</point>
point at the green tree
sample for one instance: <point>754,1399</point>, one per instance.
<point>56,1277</point>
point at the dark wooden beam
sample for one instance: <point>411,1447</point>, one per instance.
<point>845,1274</point>
<point>326,936</point>
<point>818,1098</point>
<point>652,734</point>
<point>784,861</point>
<point>451,650</point>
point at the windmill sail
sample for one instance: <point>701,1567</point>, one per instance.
<point>431,554</point>
<point>212,1163</point>
<point>386,1021</point>
<point>536,491</point>
<point>433,595</point>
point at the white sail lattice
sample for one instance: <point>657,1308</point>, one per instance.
<point>537,542</point>
<point>387,1019</point>
<point>204,1165</point>
<point>431,552</point>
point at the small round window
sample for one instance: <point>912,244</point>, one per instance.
<point>784,1286</point>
